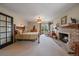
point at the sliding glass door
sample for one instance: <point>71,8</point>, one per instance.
<point>2,29</point>
<point>6,23</point>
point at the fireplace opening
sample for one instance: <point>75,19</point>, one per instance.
<point>63,37</point>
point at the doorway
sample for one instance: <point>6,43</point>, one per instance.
<point>44,28</point>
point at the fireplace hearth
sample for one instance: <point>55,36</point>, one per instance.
<point>63,37</point>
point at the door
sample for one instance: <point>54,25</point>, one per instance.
<point>6,34</point>
<point>44,28</point>
<point>9,29</point>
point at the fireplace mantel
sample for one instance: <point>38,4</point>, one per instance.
<point>70,26</point>
<point>72,31</point>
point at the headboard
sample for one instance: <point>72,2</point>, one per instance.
<point>20,28</point>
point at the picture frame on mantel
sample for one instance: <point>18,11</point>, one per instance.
<point>64,20</point>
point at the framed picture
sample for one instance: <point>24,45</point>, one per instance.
<point>64,20</point>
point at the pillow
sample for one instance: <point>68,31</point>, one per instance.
<point>20,31</point>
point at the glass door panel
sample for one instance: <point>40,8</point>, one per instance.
<point>2,35</point>
<point>9,19</point>
<point>3,41</point>
<point>9,34</point>
<point>2,23</point>
<point>8,29</point>
<point>2,17</point>
<point>2,29</point>
<point>8,24</point>
<point>9,39</point>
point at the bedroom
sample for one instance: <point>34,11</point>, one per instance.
<point>37,23</point>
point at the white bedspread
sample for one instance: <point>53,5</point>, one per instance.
<point>28,36</point>
<point>31,33</point>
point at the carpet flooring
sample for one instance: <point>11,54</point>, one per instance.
<point>46,47</point>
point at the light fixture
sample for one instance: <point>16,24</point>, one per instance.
<point>39,20</point>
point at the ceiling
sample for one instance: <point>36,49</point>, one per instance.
<point>29,11</point>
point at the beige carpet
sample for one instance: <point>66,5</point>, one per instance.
<point>47,47</point>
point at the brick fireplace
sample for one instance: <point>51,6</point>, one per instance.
<point>68,36</point>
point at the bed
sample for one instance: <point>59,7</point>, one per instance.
<point>27,36</point>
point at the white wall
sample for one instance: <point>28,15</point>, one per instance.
<point>31,24</point>
<point>72,12</point>
<point>17,18</point>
